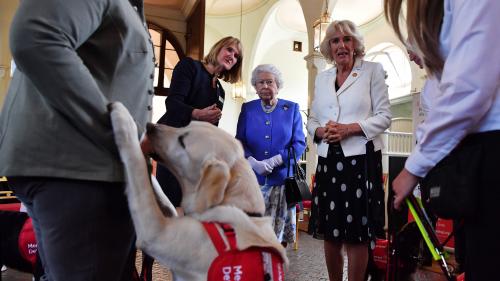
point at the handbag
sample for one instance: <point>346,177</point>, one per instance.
<point>296,187</point>
<point>449,189</point>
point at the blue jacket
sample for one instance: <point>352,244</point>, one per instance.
<point>264,135</point>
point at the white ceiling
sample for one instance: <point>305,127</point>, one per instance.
<point>358,11</point>
<point>231,7</point>
<point>289,14</point>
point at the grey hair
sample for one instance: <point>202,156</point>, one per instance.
<point>347,27</point>
<point>269,68</point>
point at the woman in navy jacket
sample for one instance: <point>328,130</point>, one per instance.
<point>266,128</point>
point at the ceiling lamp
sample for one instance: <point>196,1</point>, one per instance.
<point>239,91</point>
<point>320,26</point>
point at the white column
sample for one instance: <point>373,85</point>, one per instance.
<point>315,64</point>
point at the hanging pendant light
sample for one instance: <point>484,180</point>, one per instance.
<point>320,26</point>
<point>239,90</point>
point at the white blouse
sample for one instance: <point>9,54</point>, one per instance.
<point>467,97</point>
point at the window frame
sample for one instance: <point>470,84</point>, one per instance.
<point>165,35</point>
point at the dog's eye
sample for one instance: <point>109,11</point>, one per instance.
<point>181,140</point>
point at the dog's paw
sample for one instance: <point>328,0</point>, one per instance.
<point>124,127</point>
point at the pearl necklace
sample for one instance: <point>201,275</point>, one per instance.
<point>268,109</point>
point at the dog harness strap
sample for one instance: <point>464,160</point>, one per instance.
<point>215,236</point>
<point>230,235</point>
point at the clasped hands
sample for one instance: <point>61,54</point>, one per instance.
<point>211,114</point>
<point>266,166</point>
<point>335,132</point>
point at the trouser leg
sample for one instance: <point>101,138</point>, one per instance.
<point>83,228</point>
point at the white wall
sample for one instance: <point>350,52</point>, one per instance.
<point>264,41</point>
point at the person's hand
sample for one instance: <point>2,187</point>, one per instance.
<point>211,114</point>
<point>402,186</point>
<point>262,168</point>
<point>274,161</point>
<point>336,132</point>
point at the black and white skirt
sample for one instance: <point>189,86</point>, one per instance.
<point>348,197</point>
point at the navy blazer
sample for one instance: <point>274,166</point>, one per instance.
<point>264,135</point>
<point>191,88</point>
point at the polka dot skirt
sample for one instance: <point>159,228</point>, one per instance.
<point>341,210</point>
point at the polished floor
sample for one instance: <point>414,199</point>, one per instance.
<point>306,264</point>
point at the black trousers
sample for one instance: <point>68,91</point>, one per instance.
<point>482,234</point>
<point>83,228</point>
<point>169,184</point>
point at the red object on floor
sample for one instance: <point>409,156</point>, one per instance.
<point>380,254</point>
<point>10,207</point>
<point>443,230</point>
<point>307,204</point>
<point>461,277</point>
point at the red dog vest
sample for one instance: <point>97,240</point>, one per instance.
<point>252,264</point>
<point>27,242</point>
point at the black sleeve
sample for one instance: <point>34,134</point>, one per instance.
<point>177,104</point>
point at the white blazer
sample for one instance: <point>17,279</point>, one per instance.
<point>362,99</point>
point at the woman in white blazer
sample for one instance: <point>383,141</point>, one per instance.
<point>349,112</point>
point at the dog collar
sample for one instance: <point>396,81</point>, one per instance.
<point>254,214</point>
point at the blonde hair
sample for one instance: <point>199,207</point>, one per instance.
<point>423,20</point>
<point>346,27</point>
<point>234,74</point>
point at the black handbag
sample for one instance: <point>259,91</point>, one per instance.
<point>449,189</point>
<point>296,187</point>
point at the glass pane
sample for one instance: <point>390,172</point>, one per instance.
<point>155,36</point>
<point>171,58</point>
<point>155,80</point>
<point>157,55</point>
<point>397,67</point>
<point>169,46</point>
<point>167,77</point>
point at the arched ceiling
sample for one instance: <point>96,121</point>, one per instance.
<point>231,7</point>
<point>359,11</point>
<point>287,8</point>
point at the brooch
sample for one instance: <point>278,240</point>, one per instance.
<point>285,107</point>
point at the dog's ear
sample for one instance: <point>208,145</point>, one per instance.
<point>212,186</point>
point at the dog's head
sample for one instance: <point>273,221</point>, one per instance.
<point>209,165</point>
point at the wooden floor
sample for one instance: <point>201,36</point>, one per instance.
<point>306,264</point>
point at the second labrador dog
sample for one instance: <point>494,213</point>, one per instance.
<point>217,184</point>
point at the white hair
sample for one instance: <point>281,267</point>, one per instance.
<point>268,68</point>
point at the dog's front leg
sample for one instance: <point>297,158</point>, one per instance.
<point>146,214</point>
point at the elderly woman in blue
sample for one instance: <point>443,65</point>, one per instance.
<point>266,128</point>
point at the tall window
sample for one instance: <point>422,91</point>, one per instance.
<point>397,67</point>
<point>167,54</point>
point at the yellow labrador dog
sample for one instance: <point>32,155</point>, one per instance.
<point>217,185</point>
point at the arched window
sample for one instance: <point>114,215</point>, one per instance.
<point>167,53</point>
<point>397,67</point>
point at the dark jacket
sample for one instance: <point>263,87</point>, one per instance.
<point>191,88</point>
